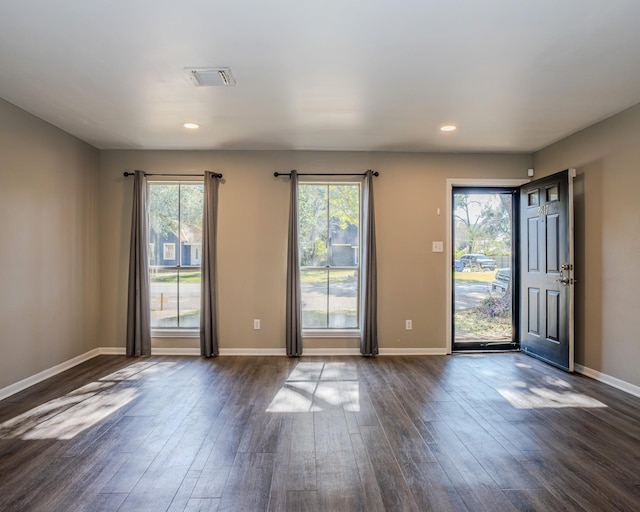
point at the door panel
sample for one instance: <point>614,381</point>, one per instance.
<point>553,243</point>
<point>533,245</point>
<point>534,312</point>
<point>546,269</point>
<point>553,315</point>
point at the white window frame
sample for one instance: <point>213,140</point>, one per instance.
<point>329,332</point>
<point>172,332</point>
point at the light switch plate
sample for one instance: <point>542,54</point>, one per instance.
<point>437,246</point>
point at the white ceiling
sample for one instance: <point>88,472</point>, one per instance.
<point>514,75</point>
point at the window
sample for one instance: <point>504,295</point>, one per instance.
<point>329,245</point>
<point>175,246</point>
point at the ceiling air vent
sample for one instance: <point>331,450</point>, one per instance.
<point>204,77</point>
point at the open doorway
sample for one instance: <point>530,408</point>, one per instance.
<point>541,273</point>
<point>484,305</point>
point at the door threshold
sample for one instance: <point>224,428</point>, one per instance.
<point>485,351</point>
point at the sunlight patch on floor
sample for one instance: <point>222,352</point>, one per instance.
<point>314,387</point>
<point>545,398</point>
<point>77,419</point>
<point>67,416</point>
<point>137,371</point>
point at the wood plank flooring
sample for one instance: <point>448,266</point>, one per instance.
<point>477,432</point>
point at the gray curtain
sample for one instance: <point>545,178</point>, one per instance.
<point>294,306</point>
<point>368,283</point>
<point>138,309</point>
<point>208,298</point>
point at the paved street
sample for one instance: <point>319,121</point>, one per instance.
<point>343,302</point>
<point>343,297</point>
<point>468,295</point>
<point>164,300</point>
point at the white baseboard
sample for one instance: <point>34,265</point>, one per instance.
<point>622,385</point>
<point>351,351</point>
<point>306,352</point>
<point>383,352</point>
<point>330,352</point>
<point>252,352</point>
<point>178,351</point>
<point>194,351</point>
<point>314,352</point>
<point>413,351</point>
<point>46,374</point>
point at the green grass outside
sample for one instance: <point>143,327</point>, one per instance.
<point>490,320</point>
<point>474,325</point>
<point>312,319</point>
<point>185,277</point>
<point>186,320</point>
<point>320,276</point>
<point>475,277</point>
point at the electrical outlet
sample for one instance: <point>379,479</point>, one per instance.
<point>437,247</point>
<point>256,324</point>
<point>408,325</point>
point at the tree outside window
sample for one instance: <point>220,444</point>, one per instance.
<point>329,245</point>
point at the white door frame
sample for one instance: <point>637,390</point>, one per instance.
<point>464,182</point>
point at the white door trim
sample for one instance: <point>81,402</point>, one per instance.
<point>464,182</point>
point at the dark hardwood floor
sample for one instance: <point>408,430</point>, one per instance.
<point>492,432</point>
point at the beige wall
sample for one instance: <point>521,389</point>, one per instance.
<point>607,159</point>
<point>48,235</point>
<point>58,214</point>
<point>252,239</point>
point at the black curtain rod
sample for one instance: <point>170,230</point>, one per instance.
<point>276,174</point>
<point>215,175</point>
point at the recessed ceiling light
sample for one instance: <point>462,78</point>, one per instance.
<point>448,128</point>
<point>191,126</point>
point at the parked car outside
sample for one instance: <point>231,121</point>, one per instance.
<point>479,261</point>
<point>501,282</point>
<point>458,266</point>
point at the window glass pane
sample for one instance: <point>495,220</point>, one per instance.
<point>164,298</point>
<point>189,286</point>
<point>175,244</point>
<point>329,224</point>
<point>313,284</point>
<point>191,204</point>
<point>344,210</point>
<point>552,194</point>
<point>163,224</point>
<point>343,299</point>
<point>313,231</point>
<point>534,198</point>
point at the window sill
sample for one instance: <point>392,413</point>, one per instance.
<point>175,333</point>
<point>330,333</point>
